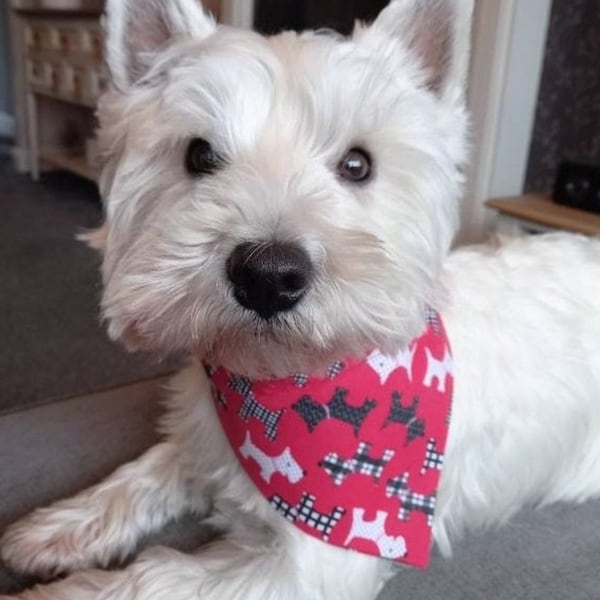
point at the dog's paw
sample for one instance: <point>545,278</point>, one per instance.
<point>48,543</point>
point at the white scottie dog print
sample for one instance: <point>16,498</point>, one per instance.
<point>284,463</point>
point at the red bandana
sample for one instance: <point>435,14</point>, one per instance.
<point>352,458</point>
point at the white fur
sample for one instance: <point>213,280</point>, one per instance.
<point>523,319</point>
<point>283,111</point>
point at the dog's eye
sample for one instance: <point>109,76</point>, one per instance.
<point>356,166</point>
<point>201,159</point>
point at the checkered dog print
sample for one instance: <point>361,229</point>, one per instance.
<point>335,369</point>
<point>433,458</point>
<point>337,408</point>
<point>300,379</point>
<point>407,416</point>
<point>361,463</point>
<point>410,501</point>
<point>304,511</point>
<point>433,320</point>
<point>251,408</point>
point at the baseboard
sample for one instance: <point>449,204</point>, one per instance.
<point>7,125</point>
<point>20,159</point>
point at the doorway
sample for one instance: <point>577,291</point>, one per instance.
<point>272,16</point>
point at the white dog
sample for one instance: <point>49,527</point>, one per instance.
<point>342,158</point>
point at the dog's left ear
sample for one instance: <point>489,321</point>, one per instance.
<point>137,29</point>
<point>438,32</point>
<point>95,238</point>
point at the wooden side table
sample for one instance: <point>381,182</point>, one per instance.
<point>536,213</point>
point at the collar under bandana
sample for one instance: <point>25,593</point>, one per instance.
<point>352,458</point>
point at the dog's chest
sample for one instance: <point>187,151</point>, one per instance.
<point>353,457</point>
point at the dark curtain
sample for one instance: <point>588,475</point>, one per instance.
<point>272,16</point>
<point>567,125</point>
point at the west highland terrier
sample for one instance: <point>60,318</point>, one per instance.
<point>282,210</point>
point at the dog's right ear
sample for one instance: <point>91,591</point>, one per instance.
<point>137,29</point>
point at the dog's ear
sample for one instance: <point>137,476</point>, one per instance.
<point>95,238</point>
<point>136,29</point>
<point>437,31</point>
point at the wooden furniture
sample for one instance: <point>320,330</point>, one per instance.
<point>58,46</point>
<point>533,213</point>
<point>59,73</point>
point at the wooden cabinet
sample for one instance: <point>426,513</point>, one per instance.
<point>64,77</point>
<point>64,59</point>
<point>59,73</point>
<point>59,69</point>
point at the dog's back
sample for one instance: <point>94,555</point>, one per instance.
<point>524,321</point>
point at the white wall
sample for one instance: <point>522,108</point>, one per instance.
<point>525,63</point>
<point>239,13</point>
<point>508,52</point>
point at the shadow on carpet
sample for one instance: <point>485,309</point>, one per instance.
<point>53,343</point>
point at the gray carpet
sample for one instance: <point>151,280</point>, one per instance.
<point>551,554</point>
<point>52,451</point>
<point>53,344</point>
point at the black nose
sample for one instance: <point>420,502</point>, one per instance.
<point>269,278</point>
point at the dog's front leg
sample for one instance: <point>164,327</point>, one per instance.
<point>103,523</point>
<point>258,565</point>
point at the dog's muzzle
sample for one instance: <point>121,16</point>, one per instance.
<point>269,277</point>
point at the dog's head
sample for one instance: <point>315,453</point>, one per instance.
<point>274,202</point>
